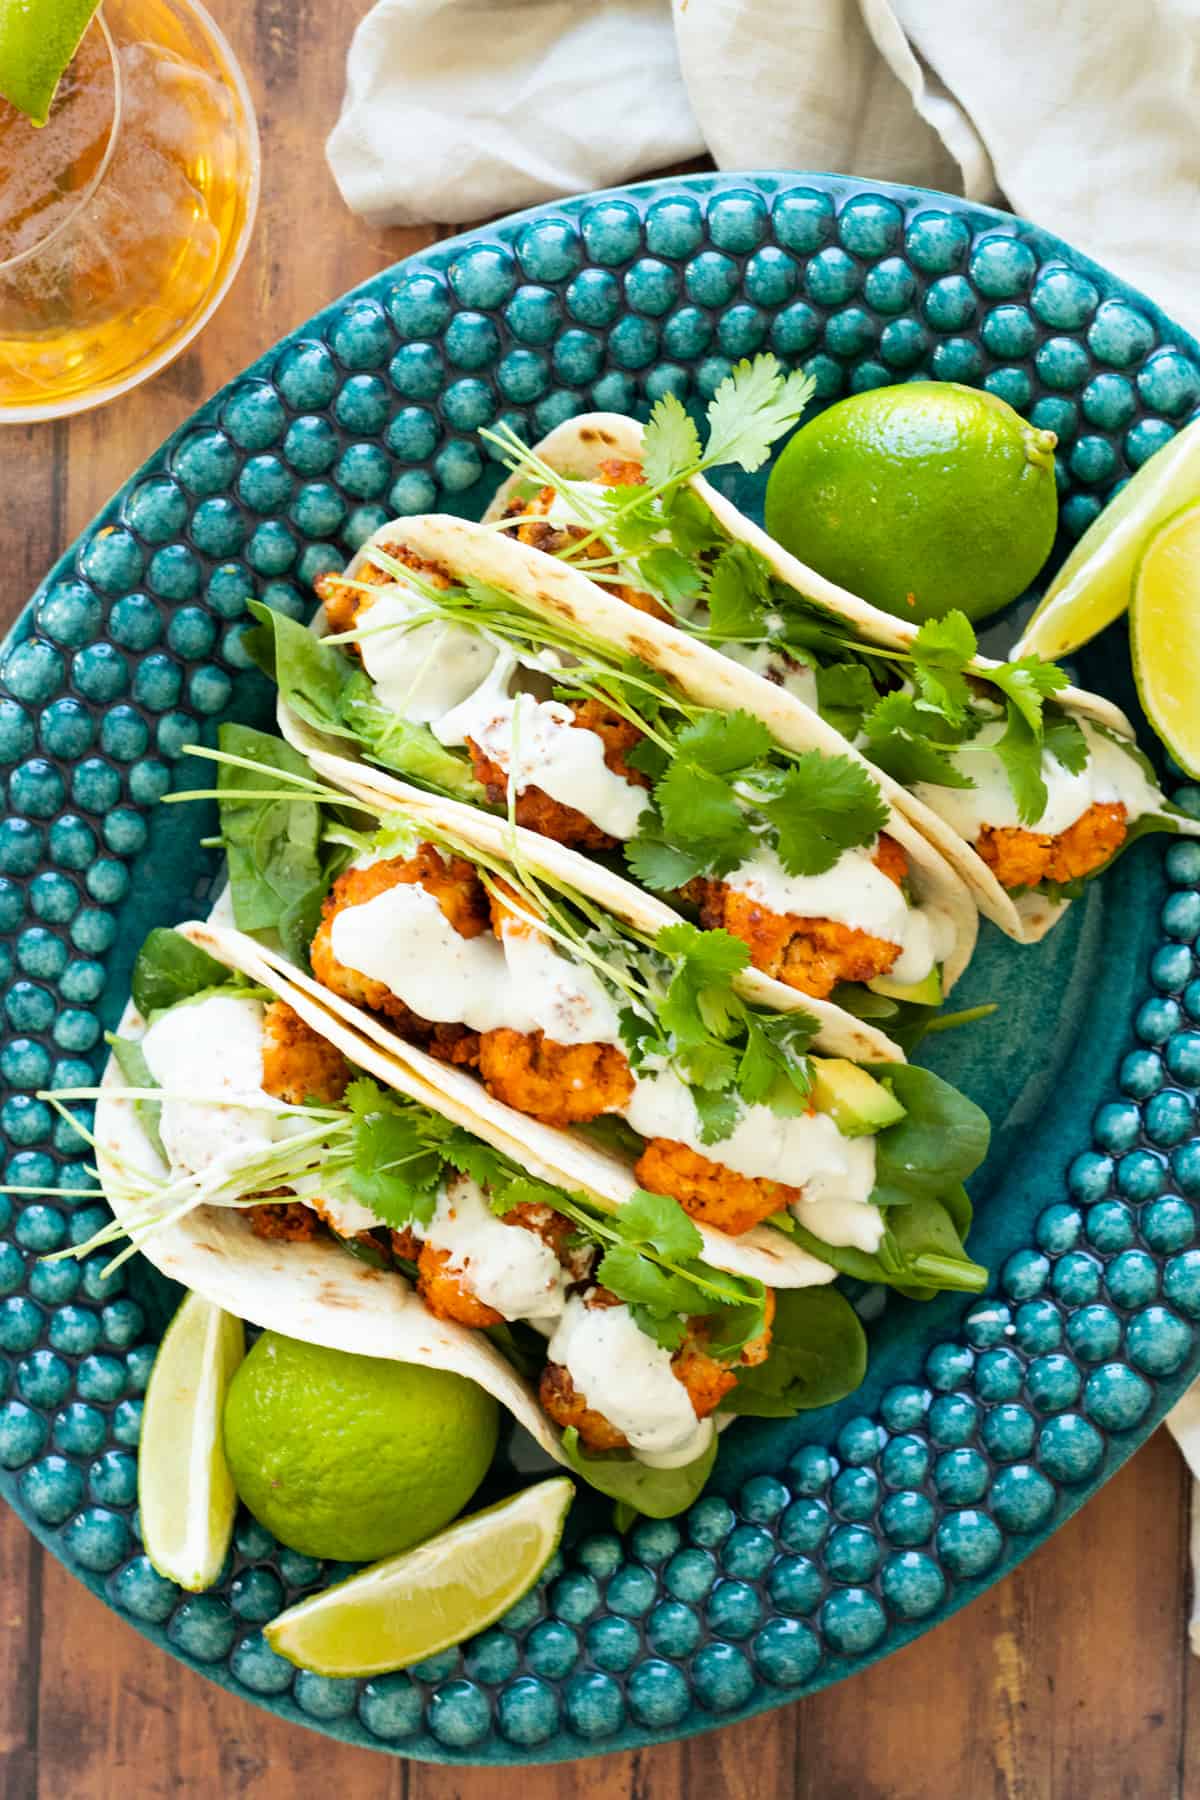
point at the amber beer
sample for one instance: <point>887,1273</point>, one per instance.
<point>123,220</point>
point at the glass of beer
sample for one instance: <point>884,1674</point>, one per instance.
<point>125,217</point>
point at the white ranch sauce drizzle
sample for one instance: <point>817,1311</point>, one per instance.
<point>454,679</point>
<point>402,938</point>
<point>627,1377</point>
<point>419,673</point>
<point>1111,775</point>
<point>794,676</point>
<point>213,1047</point>
<point>506,1266</point>
<point>538,744</point>
<point>856,893</point>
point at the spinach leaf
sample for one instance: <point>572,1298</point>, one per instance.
<point>408,749</point>
<point>941,1139</point>
<point>658,1493</point>
<point>169,968</point>
<point>921,1253</point>
<point>818,1355</point>
<point>328,690</point>
<point>311,676</point>
<point>131,1060</point>
<point>279,871</point>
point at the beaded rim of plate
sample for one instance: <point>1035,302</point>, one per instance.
<point>132,648</point>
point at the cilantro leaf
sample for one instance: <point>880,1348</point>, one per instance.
<point>717,1112</point>
<point>484,1165</point>
<point>639,1036</point>
<point>647,757</point>
<point>700,808</point>
<point>394,1170</point>
<point>660,866</point>
<point>1064,739</point>
<point>739,593</point>
<point>940,652</point>
<point>672,575</point>
<point>1020,750</point>
<point>845,692</point>
<point>723,743</point>
<point>667,1330</point>
<point>906,742</point>
<point>690,523</point>
<point>753,406</point>
<point>1028,683</point>
<point>670,443</point>
<point>635,1279</point>
<point>822,806</point>
<point>711,955</point>
<point>658,1220</point>
<point>774,1065</point>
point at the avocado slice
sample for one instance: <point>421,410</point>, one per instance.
<point>919,993</point>
<point>859,1105</point>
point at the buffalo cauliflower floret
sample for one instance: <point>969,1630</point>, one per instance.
<point>1021,859</point>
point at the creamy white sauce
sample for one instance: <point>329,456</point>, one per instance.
<point>454,679</point>
<point>807,1151</point>
<point>346,1217</point>
<point>624,1375</point>
<point>538,744</point>
<point>1110,776</point>
<point>419,673</point>
<point>213,1048</point>
<point>855,892</point>
<point>794,676</point>
<point>506,1266</point>
<point>402,938</point>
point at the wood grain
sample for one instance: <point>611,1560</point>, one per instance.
<point>1068,1681</point>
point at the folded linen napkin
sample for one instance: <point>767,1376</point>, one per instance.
<point>1082,114</point>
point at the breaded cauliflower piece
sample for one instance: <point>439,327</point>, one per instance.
<point>1021,859</point>
<point>446,1291</point>
<point>706,1190</point>
<point>462,898</point>
<point>561,1084</point>
<point>811,955</point>
<point>298,1064</point>
<point>550,818</point>
<point>706,1378</point>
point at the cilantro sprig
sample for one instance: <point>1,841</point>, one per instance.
<point>752,408</point>
<point>721,787</point>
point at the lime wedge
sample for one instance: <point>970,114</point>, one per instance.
<point>36,45</point>
<point>411,1606</point>
<point>1094,585</point>
<point>185,1491</point>
<point>1164,634</point>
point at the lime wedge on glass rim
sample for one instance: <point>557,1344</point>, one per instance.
<point>37,42</point>
<point>1095,584</point>
<point>1164,635</point>
<point>185,1491</point>
<point>410,1606</point>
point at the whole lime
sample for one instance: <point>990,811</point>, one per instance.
<point>349,1456</point>
<point>919,498</point>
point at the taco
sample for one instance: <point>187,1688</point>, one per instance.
<point>626,1054</point>
<point>460,665</point>
<point>258,1150</point>
<point>1028,786</point>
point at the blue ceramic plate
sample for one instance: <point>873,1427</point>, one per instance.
<point>833,1538</point>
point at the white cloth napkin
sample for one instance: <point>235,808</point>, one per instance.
<point>1081,113</point>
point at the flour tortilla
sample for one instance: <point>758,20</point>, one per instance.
<point>315,1291</point>
<point>550,589</point>
<point>579,446</point>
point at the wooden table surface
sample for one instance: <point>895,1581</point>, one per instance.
<point>1069,1679</point>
